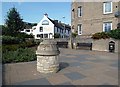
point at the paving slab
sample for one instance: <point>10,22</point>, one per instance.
<point>74,76</point>
<point>42,81</point>
<point>77,67</point>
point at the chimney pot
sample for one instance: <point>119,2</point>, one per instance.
<point>46,14</point>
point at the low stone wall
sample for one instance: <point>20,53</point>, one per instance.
<point>103,44</point>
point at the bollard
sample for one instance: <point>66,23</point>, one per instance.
<point>47,57</point>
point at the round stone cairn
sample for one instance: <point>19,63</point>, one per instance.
<point>47,57</point>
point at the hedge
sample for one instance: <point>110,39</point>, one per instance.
<point>20,55</point>
<point>14,47</point>
<point>100,35</point>
<point>10,40</point>
<point>24,35</point>
<point>114,33</point>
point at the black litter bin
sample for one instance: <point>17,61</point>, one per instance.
<point>111,46</point>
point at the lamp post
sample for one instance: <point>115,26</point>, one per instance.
<point>70,41</point>
<point>64,27</point>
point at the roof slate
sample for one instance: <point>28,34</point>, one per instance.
<point>58,24</point>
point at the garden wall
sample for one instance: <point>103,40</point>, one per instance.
<point>103,44</point>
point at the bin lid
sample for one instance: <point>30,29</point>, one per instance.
<point>47,47</point>
<point>112,42</point>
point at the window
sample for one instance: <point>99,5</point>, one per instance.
<point>41,29</point>
<point>27,30</point>
<point>79,29</point>
<point>57,29</point>
<point>79,11</point>
<point>45,22</point>
<point>65,30</point>
<point>40,35</point>
<point>107,26</point>
<point>45,35</point>
<point>107,7</point>
<point>61,30</point>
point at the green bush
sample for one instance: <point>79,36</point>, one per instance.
<point>37,41</point>
<point>104,35</point>
<point>20,55</point>
<point>74,35</point>
<point>28,43</point>
<point>24,35</point>
<point>14,47</point>
<point>10,47</point>
<point>100,35</point>
<point>57,35</point>
<point>10,40</point>
<point>114,33</point>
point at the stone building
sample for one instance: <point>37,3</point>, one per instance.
<point>91,17</point>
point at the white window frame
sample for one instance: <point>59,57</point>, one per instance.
<point>104,8</point>
<point>104,25</point>
<point>45,22</point>
<point>79,26</point>
<point>79,11</point>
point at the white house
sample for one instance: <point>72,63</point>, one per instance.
<point>47,28</point>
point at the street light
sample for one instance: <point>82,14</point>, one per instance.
<point>64,26</point>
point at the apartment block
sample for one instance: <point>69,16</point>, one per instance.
<point>91,17</point>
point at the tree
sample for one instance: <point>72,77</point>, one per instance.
<point>74,35</point>
<point>14,22</point>
<point>4,30</point>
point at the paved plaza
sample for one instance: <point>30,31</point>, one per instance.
<point>77,67</point>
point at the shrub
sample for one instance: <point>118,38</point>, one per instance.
<point>10,40</point>
<point>114,33</point>
<point>14,47</point>
<point>20,55</point>
<point>56,35</point>
<point>37,41</point>
<point>10,47</point>
<point>28,43</point>
<point>24,35</point>
<point>100,35</point>
<point>74,35</point>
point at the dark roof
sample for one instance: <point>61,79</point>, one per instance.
<point>59,24</point>
<point>28,25</point>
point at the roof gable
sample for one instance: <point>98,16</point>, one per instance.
<point>58,24</point>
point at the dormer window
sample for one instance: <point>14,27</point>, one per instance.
<point>45,22</point>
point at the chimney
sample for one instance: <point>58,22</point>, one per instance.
<point>56,21</point>
<point>46,14</point>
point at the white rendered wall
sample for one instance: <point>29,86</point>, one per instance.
<point>47,29</point>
